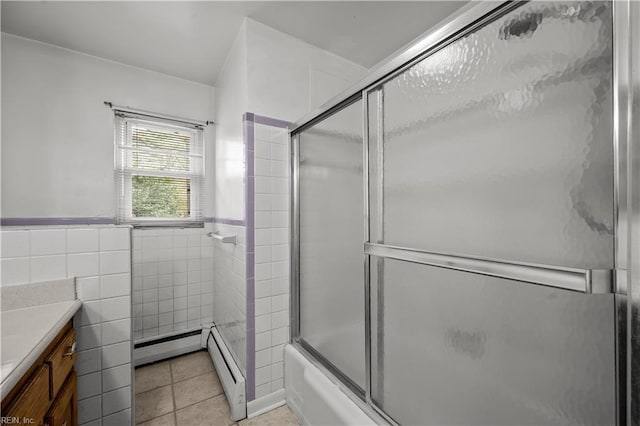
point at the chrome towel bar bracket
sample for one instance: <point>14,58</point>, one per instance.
<point>231,239</point>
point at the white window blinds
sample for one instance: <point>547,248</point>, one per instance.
<point>159,171</point>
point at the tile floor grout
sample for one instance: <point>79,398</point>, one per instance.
<point>173,398</point>
<point>191,367</point>
<point>179,381</point>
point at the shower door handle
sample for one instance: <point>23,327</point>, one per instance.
<point>589,281</point>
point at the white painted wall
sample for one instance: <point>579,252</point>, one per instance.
<point>231,103</point>
<point>229,289</point>
<point>273,74</point>
<point>57,135</point>
<point>57,161</point>
<point>287,77</point>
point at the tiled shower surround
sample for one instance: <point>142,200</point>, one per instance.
<point>100,258</point>
<point>172,280</point>
<point>267,150</point>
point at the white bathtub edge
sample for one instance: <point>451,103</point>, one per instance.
<point>313,398</point>
<point>265,403</point>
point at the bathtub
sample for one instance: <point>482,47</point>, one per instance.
<point>315,399</point>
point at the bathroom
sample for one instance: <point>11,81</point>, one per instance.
<point>320,212</point>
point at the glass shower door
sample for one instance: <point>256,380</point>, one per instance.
<point>491,198</point>
<point>331,236</point>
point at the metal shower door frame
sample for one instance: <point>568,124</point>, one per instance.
<point>626,67</point>
<point>624,281</point>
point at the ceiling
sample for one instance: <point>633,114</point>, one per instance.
<point>190,39</point>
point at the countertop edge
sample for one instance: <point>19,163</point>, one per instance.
<point>14,377</point>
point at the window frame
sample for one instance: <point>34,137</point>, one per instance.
<point>125,122</point>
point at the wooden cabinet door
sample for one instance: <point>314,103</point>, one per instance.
<point>64,410</point>
<point>30,405</point>
<point>61,360</point>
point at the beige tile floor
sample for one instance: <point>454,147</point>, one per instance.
<point>185,391</point>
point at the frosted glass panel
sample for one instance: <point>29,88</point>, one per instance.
<point>376,148</point>
<point>500,144</point>
<point>466,349</point>
<point>331,240</point>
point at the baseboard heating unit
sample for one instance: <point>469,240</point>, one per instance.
<point>156,349</point>
<point>230,376</point>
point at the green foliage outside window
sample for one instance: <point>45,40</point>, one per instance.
<point>154,196</point>
<point>160,197</point>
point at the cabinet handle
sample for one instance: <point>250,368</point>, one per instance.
<point>72,350</point>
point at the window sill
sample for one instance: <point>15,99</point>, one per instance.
<point>163,224</point>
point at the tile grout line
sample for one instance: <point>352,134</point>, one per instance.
<point>173,395</point>
<point>173,382</point>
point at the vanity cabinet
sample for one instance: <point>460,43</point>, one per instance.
<point>47,393</point>
<point>63,411</point>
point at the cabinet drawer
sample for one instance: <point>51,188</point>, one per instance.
<point>33,400</point>
<point>64,408</point>
<point>61,360</point>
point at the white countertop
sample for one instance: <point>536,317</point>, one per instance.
<point>26,333</point>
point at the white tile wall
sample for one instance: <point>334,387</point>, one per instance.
<point>230,291</point>
<point>83,240</point>
<point>99,257</point>
<point>15,243</point>
<point>172,280</point>
<point>47,242</point>
<point>271,256</point>
<point>117,419</point>
<point>116,378</point>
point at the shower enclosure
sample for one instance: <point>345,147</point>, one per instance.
<point>464,222</point>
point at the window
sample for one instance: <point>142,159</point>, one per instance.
<point>159,171</point>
